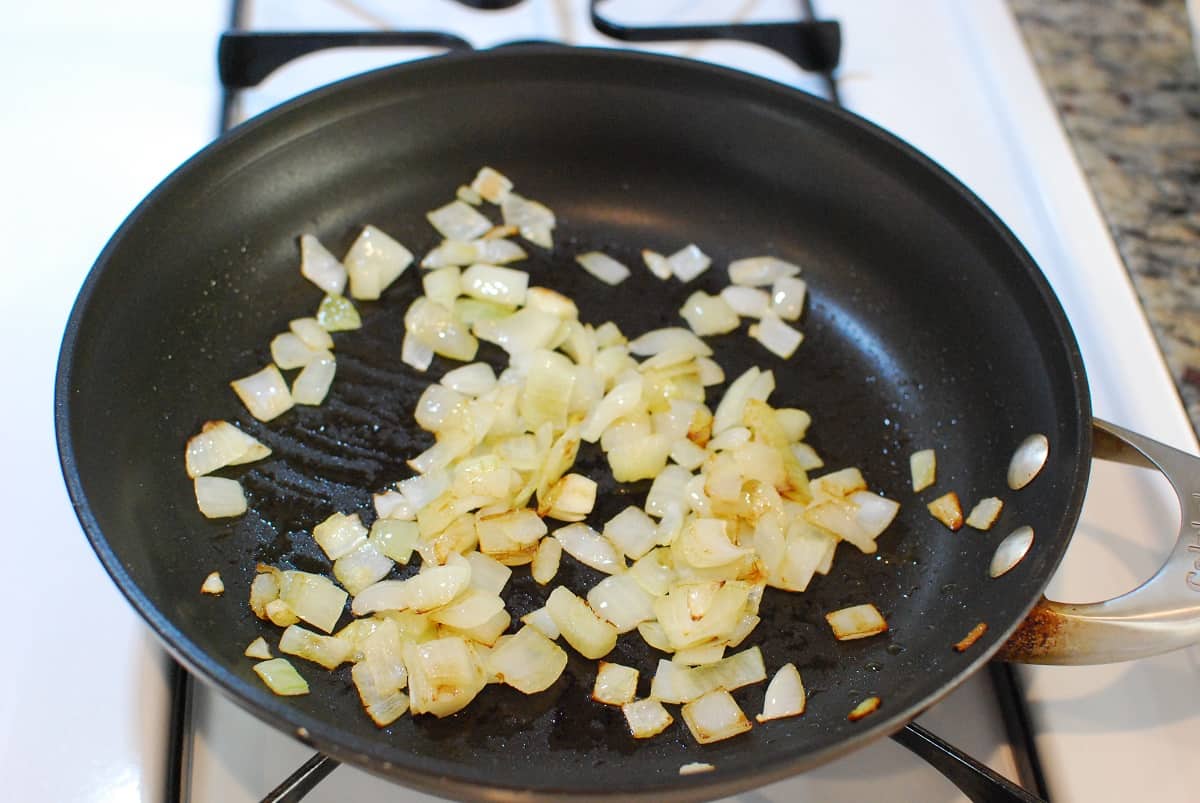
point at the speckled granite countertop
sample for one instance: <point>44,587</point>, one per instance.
<point>1124,78</point>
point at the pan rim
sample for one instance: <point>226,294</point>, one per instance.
<point>420,772</point>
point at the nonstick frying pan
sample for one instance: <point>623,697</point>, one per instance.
<point>928,326</point>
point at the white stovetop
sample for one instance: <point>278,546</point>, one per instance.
<point>105,100</point>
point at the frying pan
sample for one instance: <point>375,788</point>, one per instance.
<point>928,326</point>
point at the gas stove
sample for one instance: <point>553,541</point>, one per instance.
<point>953,79</point>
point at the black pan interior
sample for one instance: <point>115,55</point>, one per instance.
<point>927,327</point>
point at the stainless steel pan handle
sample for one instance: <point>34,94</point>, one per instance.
<point>1160,615</point>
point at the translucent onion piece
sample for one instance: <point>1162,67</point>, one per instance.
<point>874,512</point>
<point>221,444</point>
<point>657,264</point>
<point>263,590</point>
<point>785,695</point>
<point>841,518</point>
<point>435,326</point>
<point>395,539</point>
<point>421,593</point>
<point>337,314</point>
<point>700,655</point>
<point>415,353</point>
<point>760,271</point>
<point>947,510</point>
<point>646,718</point>
<point>669,491</point>
<point>714,717</point>
<point>705,543</point>
<point>328,651</point>
<point>458,221</point>
<point>686,626</point>
<point>748,302</point>
<point>363,566</point>
<point>444,675</point>
<point>674,683</point>
<point>547,393</point>
<point>618,402</point>
<point>570,499</point>
<point>529,662</point>
<point>779,338</point>
<point>653,634</point>
<point>313,598</point>
<point>213,585</point>
<point>1027,461</point>
<point>472,608</point>
<point>258,649</point>
<point>468,195</point>
<point>383,709</point>
<point>640,459</point>
<point>839,483</point>
<point>313,383</point>
<point>710,372</point>
<point>339,534</point>
<point>632,531</point>
<point>923,467</point>
<point>615,684</point>
<point>622,601</point>
<point>985,513</point>
<point>512,531</point>
<point>487,574</point>
<point>312,333</point>
<point>807,457</point>
<point>708,315</point>
<point>695,767</point>
<point>672,338</point>
<point>729,411</point>
<point>546,560</point>
<point>281,677</point>
<point>265,394</point>
<point>582,628</point>
<point>289,351</point>
<point>603,267</point>
<point>1011,551</point>
<point>443,285</point>
<point>374,261</point>
<point>524,331</point>
<point>280,613</point>
<point>867,706</point>
<point>547,300</point>
<point>787,297</point>
<point>439,408</point>
<point>590,548</point>
<point>688,262</point>
<point>542,620</point>
<point>496,284</point>
<point>491,185</point>
<point>475,379</point>
<point>218,497</point>
<point>653,574</point>
<point>855,622</point>
<point>321,267</point>
<point>529,216</point>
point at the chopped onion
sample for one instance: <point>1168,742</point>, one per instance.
<point>487,573</point>
<point>603,267</point>
<point>281,677</point>
<point>705,543</point>
<point>541,618</point>
<point>547,393</point>
<point>546,560</point>
<point>779,338</point>
<point>760,271</point>
<point>221,444</point>
<point>748,302</point>
<point>321,267</point>
<point>491,185</point>
<point>700,655</point>
<point>733,403</point>
<point>337,314</point>
<point>947,510</point>
<point>672,338</point>
<point>213,585</point>
<point>570,499</point>
<point>653,634</point>
<point>443,285</point>
<point>590,548</point>
<point>363,566</point>
<point>374,261</point>
<point>458,221</point>
<point>632,531</point>
<point>383,709</point>
<point>985,513</point>
<point>675,683</point>
<point>265,394</point>
<point>708,315</point>
<point>328,651</point>
<point>435,326</point>
<point>526,330</point>
<point>694,767</point>
<point>714,717</point>
<point>646,718</point>
<point>657,264</point>
<point>652,574</point>
<point>421,593</point>
<point>711,373</point>
<point>289,351</point>
<point>615,684</point>
<point>468,195</point>
<point>923,466</point>
<point>415,353</point>
<point>508,532</point>
<point>312,385</point>
<point>471,609</point>
<point>218,497</point>
<point>534,220</point>
<point>867,706</point>
<point>529,662</point>
<point>855,622</point>
<point>686,627</point>
<point>395,539</point>
<point>312,333</point>
<point>787,297</point>
<point>339,534</point>
<point>313,598</point>
<point>621,600</point>
<point>444,675</point>
<point>475,379</point>
<point>617,402</point>
<point>639,459</point>
<point>496,284</point>
<point>258,649</point>
<point>785,695</point>
<point>688,262</point>
<point>583,629</point>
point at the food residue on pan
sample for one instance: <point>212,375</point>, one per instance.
<point>865,708</point>
<point>966,641</point>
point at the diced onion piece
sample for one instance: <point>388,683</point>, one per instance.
<point>443,285</point>
<point>490,631</point>
<point>529,662</point>
<point>840,517</point>
<point>874,513</point>
<point>688,262</point>
<point>374,261</point>
<point>337,314</point>
<point>435,326</point>
<point>787,297</point>
<point>700,655</point>
<point>487,573</point>
<point>312,385</point>
<point>590,548</point>
<point>280,613</point>
<point>779,338</point>
<point>531,217</point>
<point>444,675</point>
<point>468,196</point>
<point>652,574</point>
<point>695,767</point>
<point>383,709</point>
<point>328,651</point>
<point>687,626</point>
<point>496,284</point>
<point>733,404</point>
<point>471,609</point>
<point>502,534</point>
<point>546,560</point>
<point>714,717</point>
<point>218,497</point>
<point>639,459</point>
<point>669,491</point>
<point>807,548</point>
<point>855,622</point>
<point>748,302</point>
<point>526,330</point>
<point>415,353</point>
<point>923,466</point>
<point>618,402</point>
<point>421,593</point>
<point>622,601</point>
<point>312,333</point>
<point>475,379</point>
<point>632,531</point>
<point>321,267</point>
<point>394,538</point>
<point>339,534</point>
<point>547,300</point>
<point>794,422</point>
<point>603,267</point>
<point>867,706</point>
<point>615,684</point>
<point>491,185</point>
<point>570,499</point>
<point>363,566</point>
<point>543,621</point>
<point>646,718</point>
<point>281,677</point>
<point>263,590</point>
<point>675,683</point>
<point>583,629</point>
<point>704,543</point>
<point>708,315</point>
<point>760,271</point>
<point>657,264</point>
<point>458,221</point>
<point>289,351</point>
<point>213,585</point>
<point>839,483</point>
<point>785,695</point>
<point>258,649</point>
<point>265,394</point>
<point>653,634</point>
<point>313,598</point>
<point>671,338</point>
<point>806,457</point>
<point>221,444</point>
<point>547,393</point>
<point>947,510</point>
<point>711,373</point>
<point>985,513</point>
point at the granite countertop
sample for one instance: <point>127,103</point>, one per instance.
<point>1124,77</point>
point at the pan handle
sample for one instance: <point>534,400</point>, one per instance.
<point>1160,615</point>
